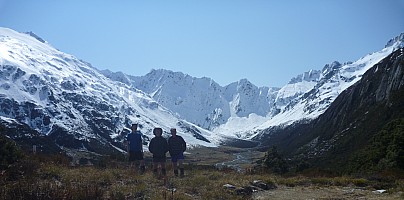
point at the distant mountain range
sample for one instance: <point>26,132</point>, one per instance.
<point>242,109</point>
<point>55,95</point>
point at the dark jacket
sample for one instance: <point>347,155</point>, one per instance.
<point>158,146</point>
<point>176,145</point>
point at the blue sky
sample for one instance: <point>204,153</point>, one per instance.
<point>267,42</point>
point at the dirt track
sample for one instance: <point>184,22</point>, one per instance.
<point>334,193</point>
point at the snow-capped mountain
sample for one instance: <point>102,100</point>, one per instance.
<point>241,109</point>
<point>65,98</point>
<point>201,100</point>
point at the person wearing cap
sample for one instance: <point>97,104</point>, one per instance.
<point>135,147</point>
<point>158,147</point>
<point>177,147</point>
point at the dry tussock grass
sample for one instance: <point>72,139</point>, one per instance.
<point>57,180</point>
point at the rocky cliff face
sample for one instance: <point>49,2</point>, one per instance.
<point>352,119</point>
<point>318,95</point>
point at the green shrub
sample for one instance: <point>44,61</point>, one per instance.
<point>275,162</point>
<point>385,150</point>
<point>10,153</point>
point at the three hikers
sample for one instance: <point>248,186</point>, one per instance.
<point>158,146</point>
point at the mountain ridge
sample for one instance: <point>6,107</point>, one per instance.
<point>242,109</point>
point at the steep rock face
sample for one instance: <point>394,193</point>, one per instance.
<point>332,81</point>
<point>351,120</point>
<point>363,109</point>
<point>66,99</point>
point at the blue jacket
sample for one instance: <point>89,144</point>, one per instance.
<point>135,141</point>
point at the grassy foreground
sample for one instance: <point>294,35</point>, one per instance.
<point>39,177</point>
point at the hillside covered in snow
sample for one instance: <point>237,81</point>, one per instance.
<point>65,98</point>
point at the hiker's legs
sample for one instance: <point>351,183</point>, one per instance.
<point>175,168</point>
<point>132,165</point>
<point>132,159</point>
<point>163,168</point>
<point>178,159</point>
<point>155,168</point>
<point>139,156</point>
<point>142,166</point>
<point>136,158</point>
<point>181,165</point>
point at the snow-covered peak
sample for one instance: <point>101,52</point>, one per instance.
<point>331,67</point>
<point>310,76</point>
<point>116,76</point>
<point>203,101</point>
<point>171,75</point>
<point>244,82</point>
<point>35,36</point>
<point>296,87</point>
<point>15,37</point>
<point>397,42</point>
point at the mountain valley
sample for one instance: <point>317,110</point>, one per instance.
<point>60,103</point>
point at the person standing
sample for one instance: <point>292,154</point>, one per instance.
<point>135,148</point>
<point>158,147</point>
<point>177,147</point>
